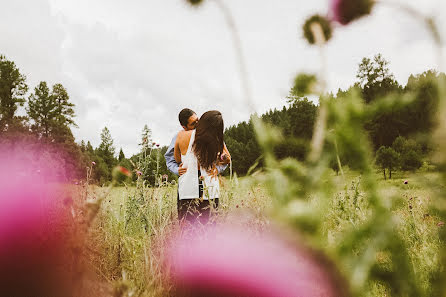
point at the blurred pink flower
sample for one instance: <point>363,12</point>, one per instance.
<point>406,182</point>
<point>440,224</point>
<point>138,172</point>
<point>157,145</point>
<point>33,231</point>
<point>345,11</point>
<point>231,262</point>
<point>93,163</point>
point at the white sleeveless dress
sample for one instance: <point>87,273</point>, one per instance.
<point>188,185</point>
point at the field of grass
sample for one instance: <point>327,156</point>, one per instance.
<point>130,232</point>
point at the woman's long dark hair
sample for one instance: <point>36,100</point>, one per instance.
<point>208,144</point>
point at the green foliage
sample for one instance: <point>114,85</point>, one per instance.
<point>13,88</point>
<point>42,110</point>
<point>51,112</point>
<point>387,158</point>
<point>121,155</point>
<point>375,78</point>
<point>105,156</point>
<point>304,84</point>
<point>296,124</point>
<point>410,153</point>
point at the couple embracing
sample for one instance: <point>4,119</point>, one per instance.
<point>198,154</point>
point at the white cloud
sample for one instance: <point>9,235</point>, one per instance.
<point>127,64</point>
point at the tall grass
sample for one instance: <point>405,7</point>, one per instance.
<point>130,234</point>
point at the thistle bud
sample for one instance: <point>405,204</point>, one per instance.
<point>325,25</point>
<point>346,11</point>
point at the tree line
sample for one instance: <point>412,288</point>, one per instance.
<point>43,136</point>
<point>399,132</point>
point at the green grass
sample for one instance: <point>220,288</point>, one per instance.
<point>131,230</point>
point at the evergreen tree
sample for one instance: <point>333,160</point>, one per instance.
<point>52,113</point>
<point>144,159</point>
<point>121,155</point>
<point>106,150</point>
<point>89,147</point>
<point>13,88</point>
<point>104,156</point>
<point>42,110</point>
<point>375,78</point>
<point>64,108</point>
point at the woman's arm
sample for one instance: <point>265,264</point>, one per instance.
<point>177,151</point>
<point>225,156</point>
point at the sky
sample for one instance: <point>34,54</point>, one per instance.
<point>132,63</point>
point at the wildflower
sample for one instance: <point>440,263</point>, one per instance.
<point>31,221</point>
<point>324,25</point>
<point>124,171</point>
<point>440,224</point>
<point>93,163</point>
<point>157,145</point>
<point>346,11</point>
<point>406,182</point>
<point>239,269</point>
<point>138,172</point>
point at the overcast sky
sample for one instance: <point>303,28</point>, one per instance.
<point>130,63</point>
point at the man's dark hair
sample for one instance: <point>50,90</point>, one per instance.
<point>184,116</point>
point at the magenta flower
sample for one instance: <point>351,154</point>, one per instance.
<point>346,11</point>
<point>93,163</point>
<point>231,262</point>
<point>157,145</point>
<point>406,182</point>
<point>138,172</point>
<point>33,230</point>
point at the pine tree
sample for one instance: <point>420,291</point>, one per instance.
<point>106,152</point>
<point>64,108</point>
<point>121,155</point>
<point>42,110</point>
<point>52,113</point>
<point>12,91</point>
<point>145,153</point>
<point>146,139</point>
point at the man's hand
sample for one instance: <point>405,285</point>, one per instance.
<point>181,170</point>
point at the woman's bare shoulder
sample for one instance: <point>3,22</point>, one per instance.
<point>183,135</point>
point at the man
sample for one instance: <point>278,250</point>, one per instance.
<point>188,120</point>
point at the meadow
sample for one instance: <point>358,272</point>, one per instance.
<point>129,235</point>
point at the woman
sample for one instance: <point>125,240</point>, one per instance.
<point>200,151</point>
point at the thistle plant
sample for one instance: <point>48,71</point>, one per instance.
<point>371,252</point>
